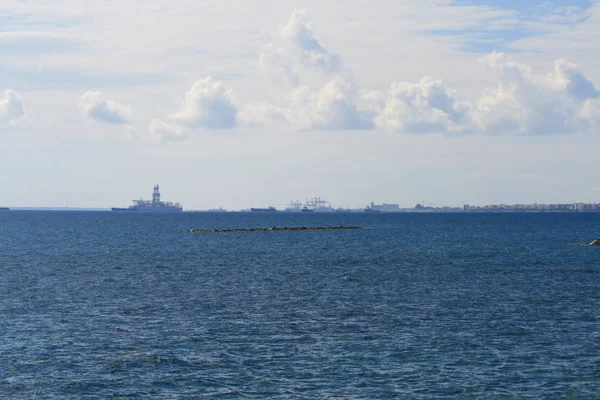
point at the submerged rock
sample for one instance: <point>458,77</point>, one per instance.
<point>284,228</point>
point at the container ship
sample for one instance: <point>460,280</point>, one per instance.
<point>154,206</point>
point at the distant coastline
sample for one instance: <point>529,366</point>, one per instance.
<point>419,208</point>
<point>58,209</point>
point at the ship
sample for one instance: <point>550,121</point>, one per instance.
<point>268,209</point>
<point>4,208</point>
<point>372,208</point>
<point>153,206</point>
<point>317,204</point>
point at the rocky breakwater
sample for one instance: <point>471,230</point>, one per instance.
<point>592,243</point>
<point>275,228</point>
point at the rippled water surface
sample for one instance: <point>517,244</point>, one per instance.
<point>103,305</point>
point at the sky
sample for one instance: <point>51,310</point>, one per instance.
<point>243,104</point>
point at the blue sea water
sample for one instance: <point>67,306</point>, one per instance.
<point>100,305</point>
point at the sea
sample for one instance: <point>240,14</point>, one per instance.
<point>101,305</point>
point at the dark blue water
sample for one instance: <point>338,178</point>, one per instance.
<point>101,305</point>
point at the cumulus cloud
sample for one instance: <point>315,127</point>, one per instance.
<point>426,106</point>
<point>208,104</point>
<point>534,104</point>
<point>521,102</point>
<point>11,107</point>
<point>97,107</point>
<point>298,31</point>
<point>277,63</point>
<point>334,107</point>
<point>568,77</point>
<point>296,46</point>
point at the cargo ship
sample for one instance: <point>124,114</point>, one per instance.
<point>4,208</point>
<point>268,209</point>
<point>153,206</point>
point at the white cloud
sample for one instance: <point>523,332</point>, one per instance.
<point>426,106</point>
<point>208,104</point>
<point>97,108</point>
<point>334,107</point>
<point>264,114</point>
<point>299,32</point>
<point>296,46</point>
<point>591,112</point>
<point>277,63</point>
<point>567,31</point>
<point>566,15</point>
<point>534,104</point>
<point>11,107</point>
<point>522,103</point>
<point>163,132</point>
<point>568,77</point>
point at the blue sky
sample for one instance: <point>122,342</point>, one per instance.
<point>243,104</point>
<point>528,15</point>
<point>526,6</point>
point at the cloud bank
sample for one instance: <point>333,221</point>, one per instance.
<point>422,107</point>
<point>534,104</point>
<point>334,107</point>
<point>521,102</point>
<point>97,108</point>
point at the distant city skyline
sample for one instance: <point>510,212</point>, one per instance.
<point>243,105</point>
